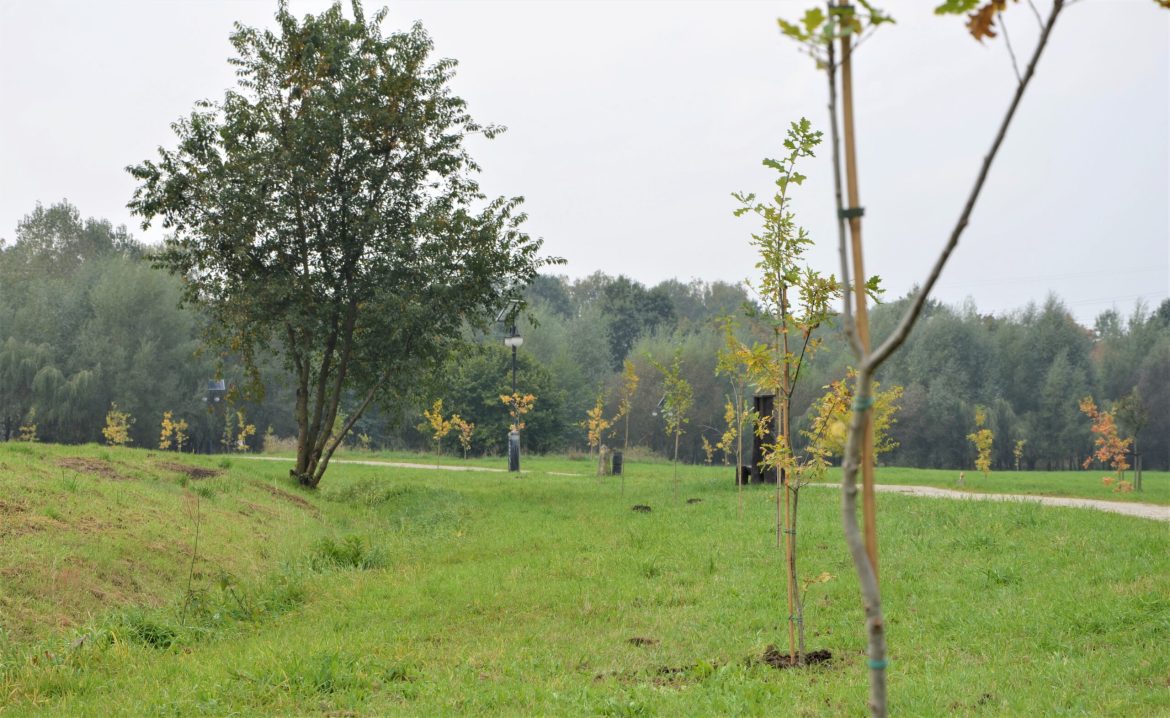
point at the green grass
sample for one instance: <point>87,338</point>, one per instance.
<point>414,592</point>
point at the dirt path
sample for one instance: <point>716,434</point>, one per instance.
<point>1145,511</point>
<point>395,464</point>
<point>403,465</point>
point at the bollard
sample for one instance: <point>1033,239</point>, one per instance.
<point>514,451</point>
<point>617,463</point>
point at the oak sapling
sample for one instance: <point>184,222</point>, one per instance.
<point>795,302</point>
<point>678,397</point>
<point>1109,448</point>
<point>438,425</point>
<point>983,439</point>
<point>117,428</point>
<point>466,431</point>
<point>595,425</point>
<point>819,33</point>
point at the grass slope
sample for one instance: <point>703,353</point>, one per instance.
<point>413,592</point>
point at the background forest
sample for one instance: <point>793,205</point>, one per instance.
<point>86,322</point>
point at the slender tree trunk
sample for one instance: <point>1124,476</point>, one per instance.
<point>675,462</point>
<point>739,417</point>
<point>869,361</point>
<point>799,601</point>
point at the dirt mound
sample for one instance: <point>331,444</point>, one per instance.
<point>281,493</point>
<point>774,658</point>
<point>640,508</point>
<point>99,467</point>
<point>193,472</point>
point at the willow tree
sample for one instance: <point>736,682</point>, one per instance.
<point>326,208</point>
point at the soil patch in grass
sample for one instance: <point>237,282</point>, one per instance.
<point>694,501</point>
<point>85,465</point>
<point>640,508</point>
<point>291,498</point>
<point>193,472</point>
<point>778,660</point>
<point>642,641</point>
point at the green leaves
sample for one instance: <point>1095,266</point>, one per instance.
<point>328,204</point>
<point>816,29</point>
<point>956,7</point>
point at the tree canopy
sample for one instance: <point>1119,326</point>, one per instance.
<point>326,208</point>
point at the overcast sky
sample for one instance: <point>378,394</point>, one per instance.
<point>630,124</point>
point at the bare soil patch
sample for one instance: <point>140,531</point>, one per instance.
<point>778,660</point>
<point>640,508</point>
<point>694,501</point>
<point>193,472</point>
<point>98,467</point>
<point>291,498</point>
<point>8,508</point>
<point>642,641</point>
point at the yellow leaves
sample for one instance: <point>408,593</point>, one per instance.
<point>708,450</point>
<point>439,426</point>
<point>246,431</point>
<point>830,426</point>
<point>630,381</point>
<point>596,424</point>
<point>823,577</point>
<point>117,428</point>
<point>466,430</point>
<point>173,433</point>
<point>518,405</point>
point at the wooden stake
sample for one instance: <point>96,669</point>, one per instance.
<point>868,503</point>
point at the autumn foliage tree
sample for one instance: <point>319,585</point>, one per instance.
<point>326,208</point>
<point>677,399</point>
<point>595,427</point>
<point>1109,448</point>
<point>438,424</point>
<point>983,439</point>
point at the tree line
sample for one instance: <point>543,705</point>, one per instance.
<point>86,322</point>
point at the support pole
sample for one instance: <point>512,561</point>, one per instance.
<point>868,502</point>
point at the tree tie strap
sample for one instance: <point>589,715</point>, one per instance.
<point>878,665</point>
<point>851,212</point>
<point>862,403</point>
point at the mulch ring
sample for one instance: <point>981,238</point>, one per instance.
<point>99,467</point>
<point>292,498</point>
<point>192,472</point>
<point>774,658</point>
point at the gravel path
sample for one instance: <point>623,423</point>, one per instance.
<point>1144,511</point>
<point>395,464</point>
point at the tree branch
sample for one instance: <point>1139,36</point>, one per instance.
<point>899,335</point>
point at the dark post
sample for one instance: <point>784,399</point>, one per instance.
<point>513,340</point>
<point>617,463</point>
<point>514,451</point>
<point>765,405</point>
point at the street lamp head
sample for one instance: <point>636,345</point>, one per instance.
<point>513,341</point>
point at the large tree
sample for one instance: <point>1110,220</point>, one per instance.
<point>327,208</point>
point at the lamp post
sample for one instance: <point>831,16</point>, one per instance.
<point>514,340</point>
<point>216,389</point>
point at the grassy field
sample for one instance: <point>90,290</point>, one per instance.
<point>1080,484</point>
<point>415,592</point>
